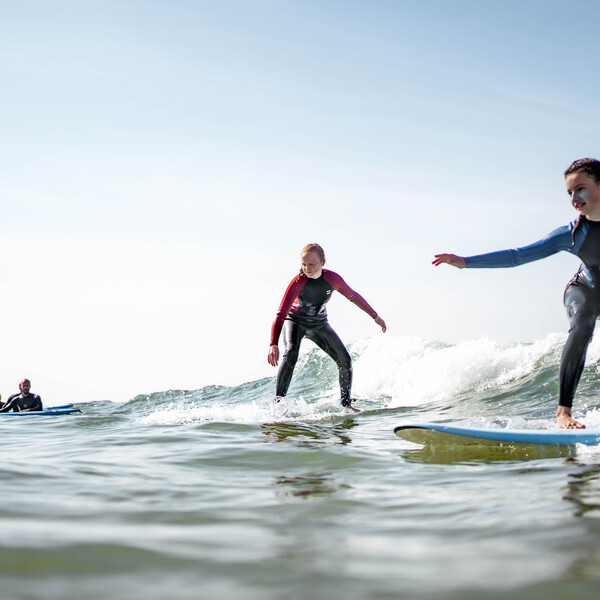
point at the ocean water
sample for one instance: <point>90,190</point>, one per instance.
<point>216,493</point>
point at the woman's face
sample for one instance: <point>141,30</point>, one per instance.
<point>312,265</point>
<point>584,192</point>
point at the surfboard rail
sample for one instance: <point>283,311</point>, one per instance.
<point>430,433</point>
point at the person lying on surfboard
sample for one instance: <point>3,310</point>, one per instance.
<point>25,401</point>
<point>302,314</point>
<point>582,295</point>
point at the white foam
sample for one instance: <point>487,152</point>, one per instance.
<point>414,371</point>
<point>259,411</point>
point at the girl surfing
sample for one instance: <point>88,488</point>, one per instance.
<point>582,295</point>
<point>302,314</point>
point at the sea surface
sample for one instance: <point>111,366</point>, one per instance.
<point>217,493</point>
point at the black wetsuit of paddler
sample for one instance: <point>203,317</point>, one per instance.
<point>18,403</point>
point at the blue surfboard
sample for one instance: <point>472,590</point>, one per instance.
<point>63,409</point>
<point>432,433</point>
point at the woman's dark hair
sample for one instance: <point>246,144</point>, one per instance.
<point>591,166</point>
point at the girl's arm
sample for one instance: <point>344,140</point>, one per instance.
<point>291,293</point>
<point>343,288</point>
<point>557,240</point>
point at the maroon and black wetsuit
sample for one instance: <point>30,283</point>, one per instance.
<point>302,313</point>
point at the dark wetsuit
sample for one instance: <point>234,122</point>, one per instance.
<point>301,314</point>
<point>582,295</point>
<point>18,402</point>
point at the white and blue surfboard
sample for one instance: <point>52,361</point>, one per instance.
<point>432,433</point>
<point>63,409</point>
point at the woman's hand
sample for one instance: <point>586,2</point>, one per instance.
<point>381,323</point>
<point>273,356</point>
<point>450,259</point>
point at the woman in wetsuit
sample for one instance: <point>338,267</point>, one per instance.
<point>582,295</point>
<point>302,314</point>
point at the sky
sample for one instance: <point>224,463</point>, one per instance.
<point>164,162</point>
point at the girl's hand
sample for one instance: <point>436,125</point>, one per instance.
<point>450,259</point>
<point>381,323</point>
<point>273,355</point>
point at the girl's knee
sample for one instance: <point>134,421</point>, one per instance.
<point>583,324</point>
<point>344,361</point>
<point>291,355</point>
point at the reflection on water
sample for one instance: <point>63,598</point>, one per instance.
<point>583,490</point>
<point>311,484</point>
<point>444,454</point>
<point>583,493</point>
<point>311,434</point>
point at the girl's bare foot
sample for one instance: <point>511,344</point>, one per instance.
<point>564,420</point>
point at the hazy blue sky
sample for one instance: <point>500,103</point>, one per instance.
<point>163,163</point>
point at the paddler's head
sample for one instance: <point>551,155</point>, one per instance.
<point>25,386</point>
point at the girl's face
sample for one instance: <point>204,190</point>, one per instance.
<point>312,265</point>
<point>584,192</point>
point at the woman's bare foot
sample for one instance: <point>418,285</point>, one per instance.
<point>564,420</point>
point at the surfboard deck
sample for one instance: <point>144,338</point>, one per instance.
<point>432,433</point>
